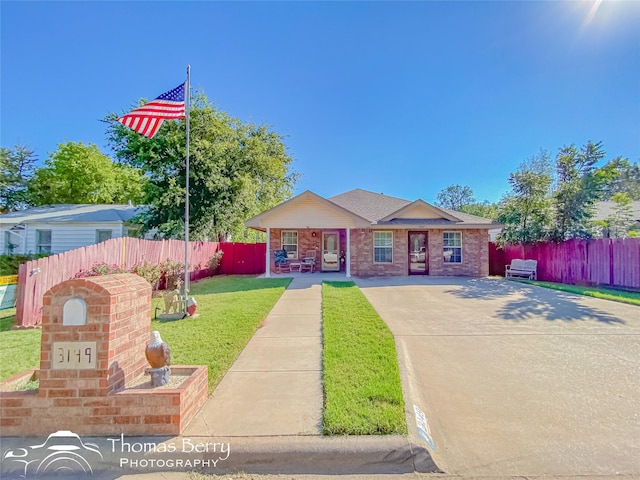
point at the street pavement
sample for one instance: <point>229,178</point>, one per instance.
<point>515,379</point>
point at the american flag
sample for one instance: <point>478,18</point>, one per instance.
<point>148,118</point>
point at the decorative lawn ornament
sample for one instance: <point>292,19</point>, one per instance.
<point>159,357</point>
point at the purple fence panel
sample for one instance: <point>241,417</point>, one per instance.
<point>36,277</point>
<point>602,261</point>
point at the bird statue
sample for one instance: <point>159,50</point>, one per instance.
<point>157,352</point>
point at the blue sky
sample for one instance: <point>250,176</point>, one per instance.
<point>403,98</point>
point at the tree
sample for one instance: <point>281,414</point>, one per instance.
<point>236,171</point>
<point>526,210</point>
<point>481,209</point>
<point>79,173</point>
<point>454,197</point>
<point>580,185</point>
<point>17,167</point>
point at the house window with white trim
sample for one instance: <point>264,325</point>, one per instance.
<point>103,235</point>
<point>382,247</point>
<point>43,241</point>
<point>452,247</point>
<point>289,242</point>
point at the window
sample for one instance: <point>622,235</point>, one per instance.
<point>290,243</point>
<point>452,246</point>
<point>43,241</point>
<point>382,247</point>
<point>102,235</point>
<point>11,242</point>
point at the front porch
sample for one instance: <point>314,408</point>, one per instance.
<point>317,275</point>
<point>328,250</point>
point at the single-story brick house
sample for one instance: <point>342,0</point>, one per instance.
<point>369,234</point>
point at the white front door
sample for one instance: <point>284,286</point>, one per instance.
<point>330,251</point>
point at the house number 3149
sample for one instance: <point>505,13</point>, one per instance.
<point>74,355</point>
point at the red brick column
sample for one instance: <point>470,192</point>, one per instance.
<point>118,312</point>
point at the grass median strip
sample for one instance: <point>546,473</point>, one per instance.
<point>361,378</point>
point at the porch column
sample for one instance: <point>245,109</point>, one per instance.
<point>267,271</point>
<point>348,259</point>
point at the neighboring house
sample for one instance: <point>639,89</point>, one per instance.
<point>607,209</point>
<point>369,234</point>
<point>58,228</point>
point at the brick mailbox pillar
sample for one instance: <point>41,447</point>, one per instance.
<point>94,332</point>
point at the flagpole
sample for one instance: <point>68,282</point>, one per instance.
<point>186,200</point>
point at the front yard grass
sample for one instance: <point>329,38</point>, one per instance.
<point>230,310</point>
<point>616,295</point>
<point>361,378</point>
<point>19,349</point>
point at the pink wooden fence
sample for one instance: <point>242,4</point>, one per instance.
<point>38,276</point>
<point>603,261</point>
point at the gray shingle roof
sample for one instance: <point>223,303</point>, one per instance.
<point>369,205</point>
<point>375,206</point>
<point>606,209</point>
<point>82,213</point>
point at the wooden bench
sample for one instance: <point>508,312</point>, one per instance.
<point>522,268</point>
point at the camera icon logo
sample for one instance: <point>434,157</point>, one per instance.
<point>62,453</point>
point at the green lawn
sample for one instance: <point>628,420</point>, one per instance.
<point>362,389</point>
<point>616,295</point>
<point>19,349</point>
<point>230,310</point>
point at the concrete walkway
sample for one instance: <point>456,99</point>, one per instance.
<point>275,385</point>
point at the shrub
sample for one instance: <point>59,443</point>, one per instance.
<point>9,263</point>
<point>171,271</point>
<point>150,272</point>
<point>213,264</point>
<point>98,269</point>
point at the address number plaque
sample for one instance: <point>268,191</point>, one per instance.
<point>74,355</point>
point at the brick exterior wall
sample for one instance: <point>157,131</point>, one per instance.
<point>475,252</point>
<point>94,401</point>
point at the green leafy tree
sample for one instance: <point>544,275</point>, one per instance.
<point>17,166</point>
<point>580,185</point>
<point>526,211</point>
<point>79,173</point>
<point>484,209</point>
<point>236,170</point>
<point>454,197</point>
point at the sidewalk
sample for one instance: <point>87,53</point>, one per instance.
<point>275,386</point>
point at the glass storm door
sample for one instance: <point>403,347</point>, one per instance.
<point>418,253</point>
<point>330,252</point>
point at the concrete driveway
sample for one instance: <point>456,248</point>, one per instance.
<point>516,379</point>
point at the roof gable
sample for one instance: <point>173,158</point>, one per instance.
<point>307,210</point>
<point>421,210</point>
